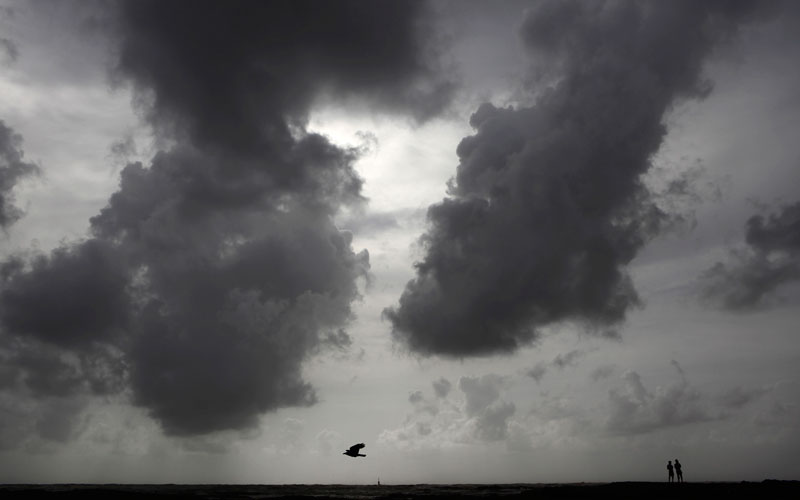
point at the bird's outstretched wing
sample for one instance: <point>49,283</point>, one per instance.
<point>356,447</point>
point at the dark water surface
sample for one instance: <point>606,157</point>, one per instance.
<point>725,491</point>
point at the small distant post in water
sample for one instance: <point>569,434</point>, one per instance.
<point>678,471</point>
<point>671,476</point>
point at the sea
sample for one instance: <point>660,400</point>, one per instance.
<point>769,489</point>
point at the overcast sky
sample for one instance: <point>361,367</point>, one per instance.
<point>508,241</point>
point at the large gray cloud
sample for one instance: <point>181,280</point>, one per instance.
<point>13,168</point>
<point>216,270</point>
<point>240,75</point>
<point>548,205</point>
<point>770,259</point>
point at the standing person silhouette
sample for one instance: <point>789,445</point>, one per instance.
<point>671,474</point>
<point>678,471</point>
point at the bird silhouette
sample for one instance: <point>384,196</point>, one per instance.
<point>354,450</point>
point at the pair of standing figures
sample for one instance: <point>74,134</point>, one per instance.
<point>673,470</point>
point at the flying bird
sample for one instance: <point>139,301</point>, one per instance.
<point>354,450</point>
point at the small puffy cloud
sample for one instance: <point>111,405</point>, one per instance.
<point>121,151</point>
<point>537,372</point>
<point>442,387</point>
<point>492,424</point>
<point>561,361</point>
<point>423,404</point>
<point>568,359</point>
<point>480,392</point>
<point>13,168</point>
<point>770,258</point>
<point>636,410</point>
<point>602,372</point>
<point>477,413</point>
<point>8,51</point>
<point>739,396</point>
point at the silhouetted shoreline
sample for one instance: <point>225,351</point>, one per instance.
<point>727,490</point>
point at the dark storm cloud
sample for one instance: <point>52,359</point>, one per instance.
<point>74,296</point>
<point>12,169</point>
<point>232,73</point>
<point>548,205</point>
<point>45,373</point>
<point>770,259</point>
<point>216,270</point>
<point>237,295</point>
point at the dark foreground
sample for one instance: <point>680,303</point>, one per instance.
<point>707,491</point>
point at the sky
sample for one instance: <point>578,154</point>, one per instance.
<point>514,241</point>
